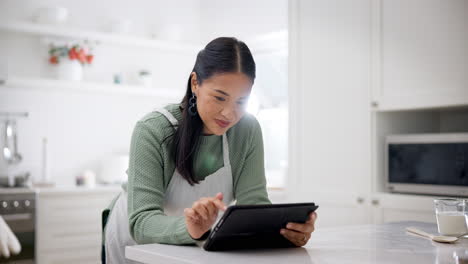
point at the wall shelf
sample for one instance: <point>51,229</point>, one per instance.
<point>67,32</point>
<point>420,102</point>
<point>89,87</point>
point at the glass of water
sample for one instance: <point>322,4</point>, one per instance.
<point>451,216</point>
<point>466,218</point>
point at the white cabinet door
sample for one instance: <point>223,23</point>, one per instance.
<point>420,48</point>
<point>329,109</point>
<point>399,207</point>
<point>337,209</point>
<point>89,255</point>
<point>68,225</point>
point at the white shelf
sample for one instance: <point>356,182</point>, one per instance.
<point>91,87</point>
<point>67,32</point>
<point>420,102</point>
<point>60,190</point>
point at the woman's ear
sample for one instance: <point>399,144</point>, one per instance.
<point>194,82</point>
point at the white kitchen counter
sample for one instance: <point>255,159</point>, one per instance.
<point>59,190</point>
<point>387,243</point>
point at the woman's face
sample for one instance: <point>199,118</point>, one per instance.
<point>221,100</point>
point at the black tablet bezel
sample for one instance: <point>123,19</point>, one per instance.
<point>208,245</point>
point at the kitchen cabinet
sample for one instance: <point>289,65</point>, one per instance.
<point>329,146</point>
<point>343,209</point>
<point>388,207</point>
<point>68,227</point>
<point>361,71</point>
<point>418,73</point>
<point>419,51</point>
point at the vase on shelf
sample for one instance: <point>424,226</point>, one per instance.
<point>69,70</point>
<point>69,59</point>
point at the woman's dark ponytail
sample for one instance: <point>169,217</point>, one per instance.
<point>221,55</point>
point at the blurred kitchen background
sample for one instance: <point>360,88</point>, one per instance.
<point>335,78</point>
<point>143,53</point>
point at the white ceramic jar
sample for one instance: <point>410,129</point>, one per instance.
<point>69,70</point>
<point>51,15</point>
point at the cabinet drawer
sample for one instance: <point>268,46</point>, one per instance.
<point>69,237</point>
<point>70,221</point>
<point>70,256</point>
<point>70,216</point>
<point>58,204</point>
<point>396,215</point>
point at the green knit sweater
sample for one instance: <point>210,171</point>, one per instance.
<point>151,167</point>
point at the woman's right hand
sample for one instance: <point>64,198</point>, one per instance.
<point>203,215</point>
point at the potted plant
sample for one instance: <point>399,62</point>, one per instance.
<point>69,60</point>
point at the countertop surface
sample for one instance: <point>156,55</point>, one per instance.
<point>386,243</point>
<point>63,189</point>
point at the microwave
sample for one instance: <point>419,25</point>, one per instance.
<point>432,164</point>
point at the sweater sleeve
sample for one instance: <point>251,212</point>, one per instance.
<point>147,221</point>
<point>251,183</point>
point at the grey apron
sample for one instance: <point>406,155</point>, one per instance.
<point>178,196</point>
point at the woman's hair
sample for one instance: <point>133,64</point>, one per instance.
<point>221,55</point>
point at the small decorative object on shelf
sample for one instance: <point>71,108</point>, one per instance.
<point>145,78</point>
<point>118,78</point>
<point>121,26</point>
<point>69,59</point>
<point>3,72</point>
<point>86,178</point>
<point>51,15</point>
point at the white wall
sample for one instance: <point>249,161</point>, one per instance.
<point>243,19</point>
<point>262,25</point>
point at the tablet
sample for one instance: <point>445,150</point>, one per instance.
<point>256,226</point>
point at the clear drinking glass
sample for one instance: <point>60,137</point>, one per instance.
<point>450,214</point>
<point>465,211</point>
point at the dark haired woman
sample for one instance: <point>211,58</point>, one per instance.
<point>189,160</point>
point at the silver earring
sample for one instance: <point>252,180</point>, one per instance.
<point>193,105</point>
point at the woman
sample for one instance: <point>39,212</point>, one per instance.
<point>189,160</point>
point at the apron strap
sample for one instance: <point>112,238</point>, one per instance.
<point>226,159</point>
<point>168,115</point>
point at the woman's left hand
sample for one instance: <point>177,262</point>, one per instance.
<point>299,234</point>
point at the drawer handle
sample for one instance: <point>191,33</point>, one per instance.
<point>16,217</point>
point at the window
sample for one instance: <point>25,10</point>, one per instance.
<point>269,103</point>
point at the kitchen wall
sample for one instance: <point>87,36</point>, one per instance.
<point>83,128</point>
<point>243,18</point>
